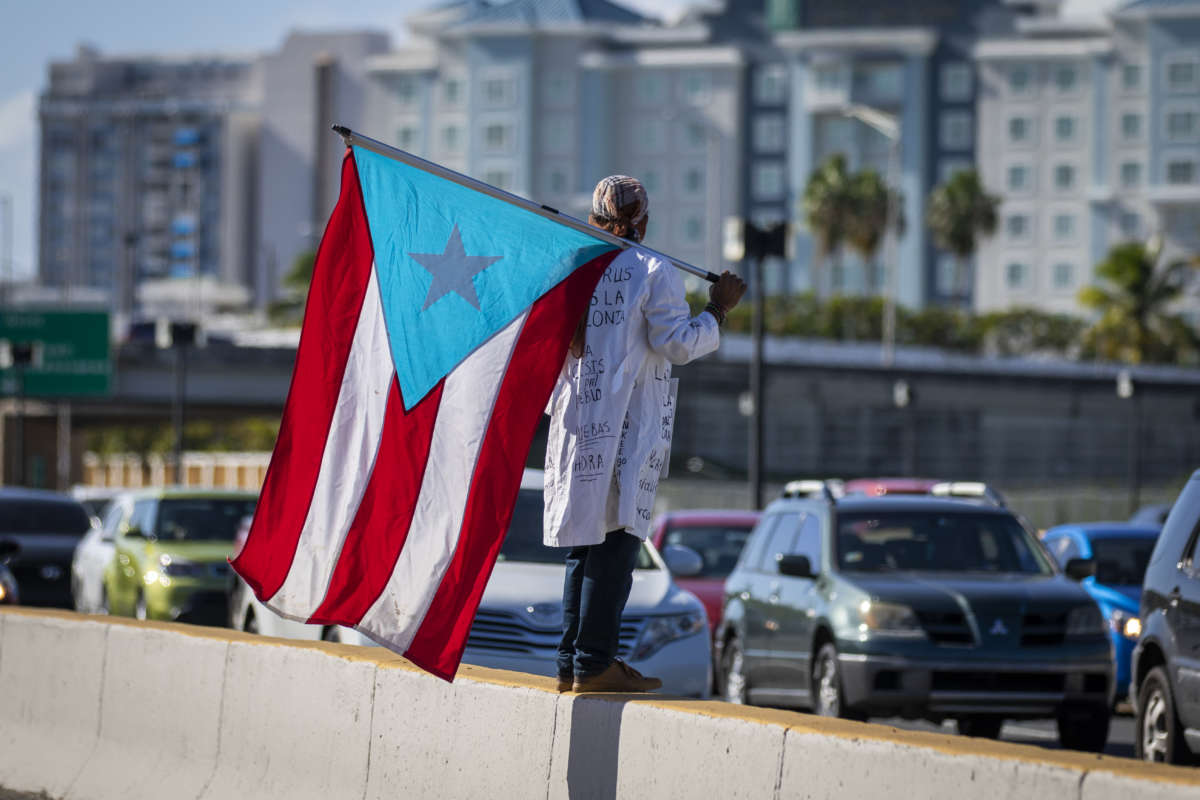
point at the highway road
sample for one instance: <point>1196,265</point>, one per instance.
<point>1039,732</point>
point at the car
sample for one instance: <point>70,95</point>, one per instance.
<point>47,526</point>
<point>9,595</point>
<point>95,498</point>
<point>914,606</point>
<point>1154,514</point>
<point>171,554</point>
<point>1166,660</point>
<point>94,554</point>
<point>878,487</point>
<point>1121,552</point>
<point>718,537</point>
<point>664,630</point>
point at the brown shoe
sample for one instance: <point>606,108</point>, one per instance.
<point>619,677</point>
<point>565,682</point>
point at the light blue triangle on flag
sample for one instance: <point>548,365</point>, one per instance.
<point>455,265</point>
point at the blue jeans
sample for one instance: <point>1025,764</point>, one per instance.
<point>596,587</point>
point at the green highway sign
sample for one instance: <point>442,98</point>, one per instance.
<point>70,354</point>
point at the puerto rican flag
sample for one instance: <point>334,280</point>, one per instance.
<point>436,326</point>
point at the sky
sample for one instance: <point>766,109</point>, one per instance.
<point>36,33</point>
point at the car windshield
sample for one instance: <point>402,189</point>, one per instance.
<point>937,542</point>
<point>209,519</point>
<point>524,539</point>
<point>43,516</point>
<point>718,545</point>
<point>1121,562</point>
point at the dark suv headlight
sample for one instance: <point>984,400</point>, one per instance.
<point>1085,621</point>
<point>889,620</point>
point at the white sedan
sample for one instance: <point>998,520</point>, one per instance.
<point>93,553</point>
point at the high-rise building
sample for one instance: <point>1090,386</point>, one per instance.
<point>1091,135</point>
<point>144,171</point>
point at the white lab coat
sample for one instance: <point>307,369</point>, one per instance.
<point>612,411</point>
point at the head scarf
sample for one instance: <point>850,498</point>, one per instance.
<point>614,195</point>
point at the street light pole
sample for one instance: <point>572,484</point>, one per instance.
<point>756,384</point>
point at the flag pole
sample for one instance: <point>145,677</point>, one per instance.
<point>374,145</point>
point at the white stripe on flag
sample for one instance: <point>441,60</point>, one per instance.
<point>346,463</point>
<point>468,398</point>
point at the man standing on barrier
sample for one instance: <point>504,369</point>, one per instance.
<point>611,416</point>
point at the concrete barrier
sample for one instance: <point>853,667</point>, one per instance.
<point>96,708</point>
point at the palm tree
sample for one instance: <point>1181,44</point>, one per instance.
<point>960,213</point>
<point>869,221</point>
<point>1134,323</point>
<point>828,209</point>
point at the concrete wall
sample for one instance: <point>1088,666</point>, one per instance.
<point>93,708</point>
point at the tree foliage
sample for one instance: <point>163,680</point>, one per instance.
<point>960,213</point>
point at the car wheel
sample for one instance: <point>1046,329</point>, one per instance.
<point>1084,727</point>
<point>828,698</point>
<point>734,687</point>
<point>983,726</point>
<point>105,608</point>
<point>331,634</point>
<point>139,607</point>
<point>77,594</point>
<point>1158,735</point>
<point>250,623</point>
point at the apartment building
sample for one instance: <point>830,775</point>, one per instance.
<point>1091,135</point>
<point>143,171</point>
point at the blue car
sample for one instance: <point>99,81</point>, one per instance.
<point>1121,551</point>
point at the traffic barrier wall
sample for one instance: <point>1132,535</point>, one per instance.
<point>97,708</point>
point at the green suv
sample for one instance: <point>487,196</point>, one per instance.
<point>919,607</point>
<point>171,554</point>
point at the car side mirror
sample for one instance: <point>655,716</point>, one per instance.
<point>8,549</point>
<point>796,566</point>
<point>1080,568</point>
<point>682,561</point>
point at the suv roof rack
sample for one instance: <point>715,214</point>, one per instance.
<point>828,490</point>
<point>969,490</point>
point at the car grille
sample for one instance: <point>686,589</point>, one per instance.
<point>946,627</point>
<point>1043,630</point>
<point>506,632</point>
<point>1024,682</point>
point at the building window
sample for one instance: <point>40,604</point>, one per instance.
<point>498,91</point>
<point>1130,224</point>
<point>1182,74</point>
<point>1065,129</point>
<point>879,82</point>
<point>500,178</point>
<point>1016,275</point>
<point>650,88</point>
<point>693,229</point>
<point>1016,226</point>
<point>406,90</point>
<point>1064,226</point>
<point>1063,276</point>
<point>767,181</point>
<point>1019,129</point>
<point>770,133</point>
<point>954,130</point>
<point>1020,79</point>
<point>1131,77</point>
<point>947,167</point>
<point>694,136</point>
<point>693,180</point>
<point>406,138</point>
<point>452,91</point>
<point>956,81</point>
<point>1131,126</point>
<point>828,77</point>
<point>451,139</point>
<point>1181,125</point>
<point>496,137</point>
<point>947,274</point>
<point>696,88</point>
<point>1131,174</point>
<point>1019,178</point>
<point>1066,78</point>
<point>557,131</point>
<point>1064,177</point>
<point>1181,172</point>
<point>770,84</point>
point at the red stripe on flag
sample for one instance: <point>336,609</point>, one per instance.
<point>381,523</point>
<point>340,276</point>
<point>532,372</point>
